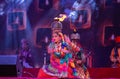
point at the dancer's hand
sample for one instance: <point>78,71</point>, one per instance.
<point>65,51</point>
<point>118,59</point>
<point>67,39</point>
<point>113,59</point>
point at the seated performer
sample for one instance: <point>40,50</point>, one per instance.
<point>25,54</point>
<point>24,58</point>
<point>115,54</point>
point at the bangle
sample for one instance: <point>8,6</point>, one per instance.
<point>73,45</point>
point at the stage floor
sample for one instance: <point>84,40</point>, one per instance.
<point>45,78</point>
<point>95,73</point>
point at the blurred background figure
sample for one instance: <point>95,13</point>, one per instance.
<point>75,38</point>
<point>79,57</point>
<point>24,59</point>
<point>115,53</point>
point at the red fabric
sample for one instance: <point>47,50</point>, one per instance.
<point>70,74</point>
<point>117,39</point>
<point>42,74</point>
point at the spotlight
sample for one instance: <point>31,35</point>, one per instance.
<point>2,8</point>
<point>21,1</point>
<point>15,1</point>
<point>1,11</point>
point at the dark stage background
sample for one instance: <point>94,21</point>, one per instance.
<point>37,18</point>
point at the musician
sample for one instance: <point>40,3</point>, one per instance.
<point>24,57</point>
<point>115,53</point>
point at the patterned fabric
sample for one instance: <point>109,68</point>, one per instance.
<point>58,62</point>
<point>50,70</point>
<point>80,67</point>
<point>61,63</point>
<point>82,74</point>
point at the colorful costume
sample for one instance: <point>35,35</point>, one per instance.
<point>79,60</point>
<point>59,63</point>
<point>62,64</point>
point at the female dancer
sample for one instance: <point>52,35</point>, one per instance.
<point>60,58</point>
